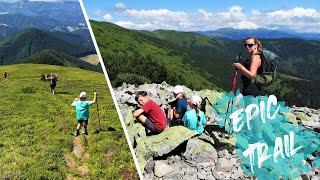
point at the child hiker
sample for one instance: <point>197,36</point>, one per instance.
<point>5,75</point>
<point>194,119</point>
<point>53,82</point>
<point>82,110</point>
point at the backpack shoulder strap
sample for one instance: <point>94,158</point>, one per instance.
<point>261,69</point>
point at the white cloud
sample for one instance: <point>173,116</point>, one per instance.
<point>71,29</point>
<point>120,5</point>
<point>245,25</point>
<point>157,15</point>
<point>6,25</point>
<point>131,25</point>
<point>99,13</point>
<point>157,18</point>
<point>204,14</point>
<point>295,12</point>
<point>235,13</point>
<point>256,12</point>
<point>107,17</point>
<point>299,19</point>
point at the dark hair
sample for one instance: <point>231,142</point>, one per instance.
<point>198,116</point>
<point>140,93</point>
<point>256,41</point>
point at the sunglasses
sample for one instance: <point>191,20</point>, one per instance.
<point>248,45</point>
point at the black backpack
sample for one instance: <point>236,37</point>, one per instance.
<point>269,63</point>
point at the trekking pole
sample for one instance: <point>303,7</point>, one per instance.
<point>233,88</point>
<point>98,112</point>
<point>206,99</point>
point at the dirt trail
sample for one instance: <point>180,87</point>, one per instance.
<point>76,160</point>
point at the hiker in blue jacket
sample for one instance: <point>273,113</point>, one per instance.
<point>82,111</point>
<point>252,67</point>
<point>178,107</point>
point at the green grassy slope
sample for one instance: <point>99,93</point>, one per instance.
<point>299,65</point>
<point>210,58</point>
<point>299,57</point>
<point>186,39</point>
<point>204,52</point>
<point>48,56</point>
<point>128,51</point>
<point>35,127</point>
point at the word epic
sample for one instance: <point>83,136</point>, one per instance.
<point>252,112</point>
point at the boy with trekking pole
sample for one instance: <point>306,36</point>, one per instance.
<point>82,111</point>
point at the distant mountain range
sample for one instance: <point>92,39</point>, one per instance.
<point>21,22</point>
<point>15,48</point>
<point>239,34</point>
<point>195,60</point>
<point>42,32</point>
<point>63,16</point>
<point>300,57</point>
<point>66,12</point>
<point>136,57</point>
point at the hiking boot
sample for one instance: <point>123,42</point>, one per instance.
<point>76,133</point>
<point>84,131</point>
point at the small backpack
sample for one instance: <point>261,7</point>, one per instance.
<point>269,62</point>
<point>202,105</point>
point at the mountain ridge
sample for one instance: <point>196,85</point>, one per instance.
<point>118,45</point>
<point>213,58</point>
<point>51,57</point>
<point>30,41</point>
<point>239,34</point>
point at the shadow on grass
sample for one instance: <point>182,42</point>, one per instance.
<point>62,92</point>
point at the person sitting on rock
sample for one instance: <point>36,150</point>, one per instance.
<point>178,107</point>
<point>82,109</point>
<point>150,115</point>
<point>194,119</point>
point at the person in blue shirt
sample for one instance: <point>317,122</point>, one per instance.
<point>178,107</point>
<point>194,119</point>
<point>82,111</point>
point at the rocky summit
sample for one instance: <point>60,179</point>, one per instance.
<point>179,153</point>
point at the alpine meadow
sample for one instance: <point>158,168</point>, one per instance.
<point>36,127</point>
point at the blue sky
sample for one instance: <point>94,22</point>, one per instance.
<point>213,5</point>
<point>190,15</point>
<point>35,0</point>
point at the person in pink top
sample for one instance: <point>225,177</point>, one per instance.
<point>150,115</point>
